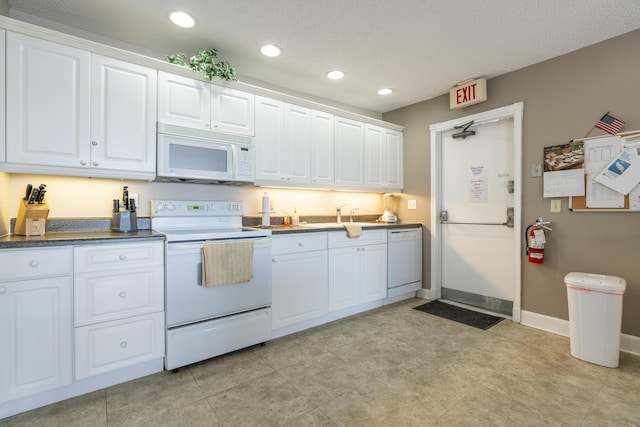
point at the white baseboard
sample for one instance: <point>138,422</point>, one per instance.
<point>628,343</point>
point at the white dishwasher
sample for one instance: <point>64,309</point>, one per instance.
<point>404,262</point>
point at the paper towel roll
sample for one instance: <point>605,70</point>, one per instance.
<point>266,221</point>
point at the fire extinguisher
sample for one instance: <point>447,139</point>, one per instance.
<point>535,240</point>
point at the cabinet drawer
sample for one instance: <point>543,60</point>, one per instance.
<point>339,239</point>
<point>110,295</point>
<point>113,345</point>
<point>109,256</point>
<point>18,264</point>
<point>301,242</point>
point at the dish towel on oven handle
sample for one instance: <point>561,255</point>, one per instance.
<point>227,262</point>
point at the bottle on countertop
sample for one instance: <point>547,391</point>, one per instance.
<point>295,220</point>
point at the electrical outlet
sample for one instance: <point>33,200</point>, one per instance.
<point>412,204</point>
<point>556,206</point>
<point>355,204</point>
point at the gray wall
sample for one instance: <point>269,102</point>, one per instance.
<point>563,98</point>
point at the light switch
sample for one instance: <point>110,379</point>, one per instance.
<point>536,170</point>
<point>556,205</point>
<point>412,204</point>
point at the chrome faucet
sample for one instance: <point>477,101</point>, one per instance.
<point>351,214</point>
<point>339,213</point>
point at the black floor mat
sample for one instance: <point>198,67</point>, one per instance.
<point>459,314</point>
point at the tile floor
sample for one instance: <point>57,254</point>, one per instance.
<point>393,366</point>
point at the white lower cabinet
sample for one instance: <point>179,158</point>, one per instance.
<point>118,306</point>
<point>35,321</point>
<point>357,268</point>
<point>299,278</point>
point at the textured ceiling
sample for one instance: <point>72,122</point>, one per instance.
<point>420,48</point>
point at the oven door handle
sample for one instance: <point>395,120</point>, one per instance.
<point>260,242</point>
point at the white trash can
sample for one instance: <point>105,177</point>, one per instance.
<point>595,317</point>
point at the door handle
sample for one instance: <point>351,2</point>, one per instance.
<point>508,222</point>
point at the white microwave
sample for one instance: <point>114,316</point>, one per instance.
<point>202,156</point>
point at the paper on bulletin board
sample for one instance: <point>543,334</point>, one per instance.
<point>622,174</point>
<point>566,183</point>
<point>600,196</point>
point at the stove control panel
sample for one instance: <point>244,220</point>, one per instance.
<point>195,208</point>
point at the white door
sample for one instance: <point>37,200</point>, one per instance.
<point>232,111</point>
<point>476,211</point>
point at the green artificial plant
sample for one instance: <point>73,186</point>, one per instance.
<point>207,63</point>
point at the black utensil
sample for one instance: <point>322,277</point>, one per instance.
<point>41,191</point>
<point>28,193</point>
<point>34,196</point>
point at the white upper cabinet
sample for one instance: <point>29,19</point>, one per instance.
<point>383,158</point>
<point>322,152</point>
<point>183,101</point>
<point>283,138</point>
<point>123,111</point>
<point>48,103</point>
<point>2,96</point>
<point>269,139</point>
<point>393,164</point>
<point>71,113</point>
<point>349,153</point>
<point>233,111</point>
<point>196,104</point>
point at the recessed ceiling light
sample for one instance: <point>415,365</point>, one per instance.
<point>270,50</point>
<point>182,19</point>
<point>385,91</point>
<point>335,75</point>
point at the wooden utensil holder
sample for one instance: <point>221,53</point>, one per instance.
<point>32,219</point>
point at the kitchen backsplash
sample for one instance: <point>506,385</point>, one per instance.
<point>70,197</point>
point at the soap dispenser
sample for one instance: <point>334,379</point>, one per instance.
<point>295,220</point>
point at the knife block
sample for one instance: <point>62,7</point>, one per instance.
<point>32,219</point>
<point>124,221</point>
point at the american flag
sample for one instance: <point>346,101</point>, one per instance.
<point>610,124</point>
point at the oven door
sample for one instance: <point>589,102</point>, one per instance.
<point>188,302</point>
<point>192,158</point>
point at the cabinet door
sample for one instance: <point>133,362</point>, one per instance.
<point>349,149</point>
<point>35,332</point>
<point>322,153</point>
<point>296,161</point>
<point>343,278</point>
<point>233,111</point>
<point>269,140</point>
<point>48,103</point>
<point>123,116</point>
<point>300,287</point>
<point>393,164</point>
<point>183,101</point>
<point>374,156</point>
<point>372,273</point>
<point>2,96</point>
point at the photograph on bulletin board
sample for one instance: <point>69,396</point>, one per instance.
<point>564,156</point>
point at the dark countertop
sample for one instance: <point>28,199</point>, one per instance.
<point>62,238</point>
<point>314,227</point>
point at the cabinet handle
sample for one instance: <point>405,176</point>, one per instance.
<point>83,163</point>
<point>122,294</point>
<point>94,143</point>
<point>300,244</point>
<point>96,164</point>
<point>3,290</point>
<point>123,344</point>
<point>34,263</point>
<point>122,257</point>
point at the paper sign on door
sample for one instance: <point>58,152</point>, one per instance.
<point>477,185</point>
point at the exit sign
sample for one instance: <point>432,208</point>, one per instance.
<point>468,93</point>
